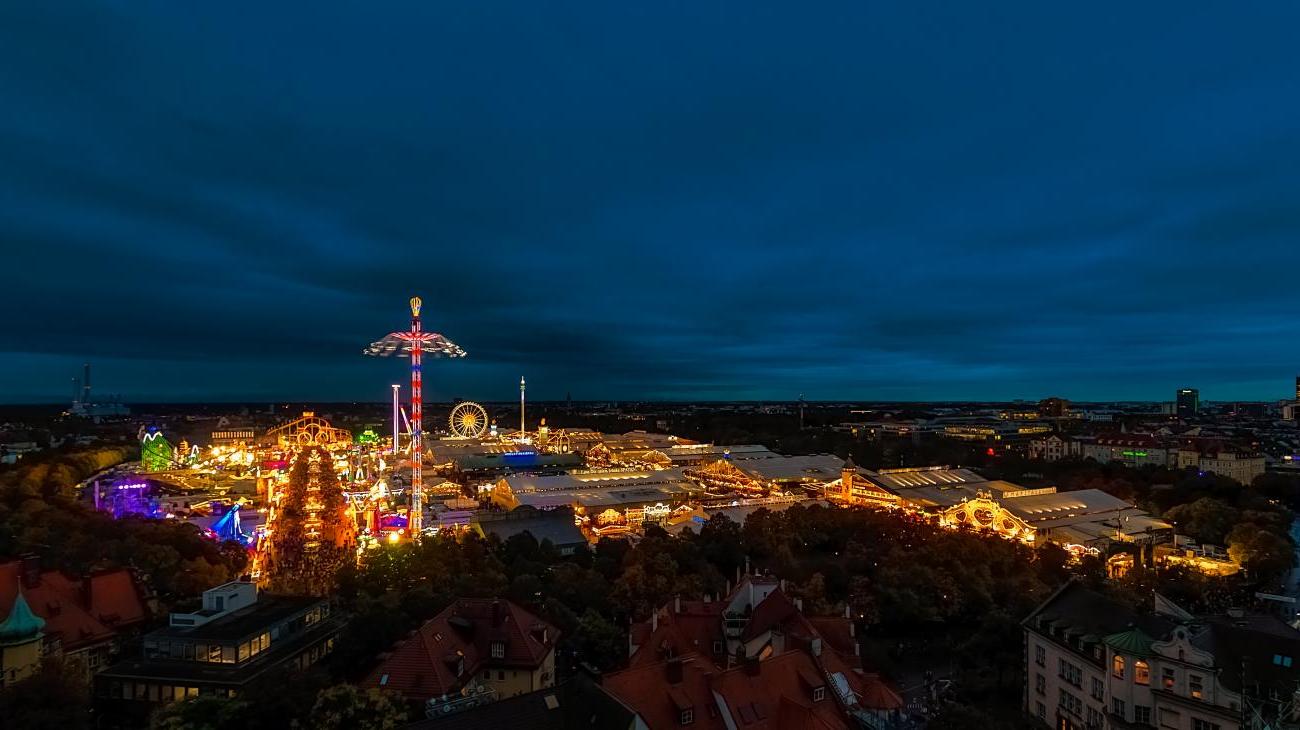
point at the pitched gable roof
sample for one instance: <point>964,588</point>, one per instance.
<point>441,656</point>
<point>79,613</point>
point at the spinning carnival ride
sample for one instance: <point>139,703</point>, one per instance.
<point>415,344</point>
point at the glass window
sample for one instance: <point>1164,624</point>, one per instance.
<point>1040,655</point>
<point>688,717</point>
<point>1167,678</point>
<point>1098,689</point>
<point>1141,672</point>
<point>1117,706</point>
<point>1040,684</point>
<point>1142,714</point>
<point>1117,666</point>
<point>1194,687</point>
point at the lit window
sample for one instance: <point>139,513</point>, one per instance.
<point>1194,687</point>
<point>1117,666</point>
<point>1141,672</point>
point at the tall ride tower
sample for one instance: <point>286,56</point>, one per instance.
<point>522,430</point>
<point>415,344</point>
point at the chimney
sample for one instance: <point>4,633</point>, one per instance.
<point>654,620</point>
<point>496,613</point>
<point>677,603</point>
<point>31,570</point>
<point>673,670</point>
<point>798,603</point>
<point>783,585</point>
<point>816,647</point>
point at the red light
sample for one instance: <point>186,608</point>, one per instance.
<point>992,452</point>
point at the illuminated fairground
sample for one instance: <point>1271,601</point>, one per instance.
<point>317,493</point>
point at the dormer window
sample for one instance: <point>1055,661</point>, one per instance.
<point>819,694</point>
<point>498,650</point>
<point>688,716</point>
<point>1141,672</point>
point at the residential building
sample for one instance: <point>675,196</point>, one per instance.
<point>476,650</point>
<point>1092,662</point>
<point>1242,466</point>
<point>85,619</point>
<point>1136,450</point>
<point>233,640</point>
<point>1054,447</point>
<point>1054,407</point>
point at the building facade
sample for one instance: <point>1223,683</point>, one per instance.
<point>1091,662</point>
<point>236,638</point>
<point>477,650</point>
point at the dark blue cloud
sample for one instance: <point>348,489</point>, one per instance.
<point>678,200</point>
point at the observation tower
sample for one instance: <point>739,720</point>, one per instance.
<point>415,344</point>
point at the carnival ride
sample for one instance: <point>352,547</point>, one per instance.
<point>415,344</point>
<point>468,420</point>
<point>310,430</point>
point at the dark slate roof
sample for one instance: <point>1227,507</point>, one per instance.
<point>558,527</point>
<point>1244,648</point>
<point>1084,612</point>
<point>577,702</point>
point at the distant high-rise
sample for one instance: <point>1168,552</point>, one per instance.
<point>1054,407</point>
<point>1187,402</point>
<point>1297,387</point>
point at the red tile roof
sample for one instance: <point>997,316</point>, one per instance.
<point>425,664</point>
<point>693,626</point>
<point>693,629</point>
<point>79,613</point>
<point>775,693</point>
<point>649,692</point>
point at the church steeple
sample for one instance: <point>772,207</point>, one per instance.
<point>20,641</point>
<point>22,625</point>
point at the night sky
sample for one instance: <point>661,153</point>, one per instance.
<point>692,200</point>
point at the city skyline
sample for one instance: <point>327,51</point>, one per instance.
<point>724,203</point>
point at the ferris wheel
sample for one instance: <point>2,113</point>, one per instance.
<point>468,420</point>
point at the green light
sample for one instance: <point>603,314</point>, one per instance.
<point>1135,453</point>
